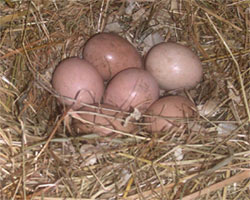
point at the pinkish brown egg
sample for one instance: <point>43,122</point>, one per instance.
<point>103,122</point>
<point>172,107</point>
<point>77,79</point>
<point>174,66</point>
<point>109,54</point>
<point>134,88</point>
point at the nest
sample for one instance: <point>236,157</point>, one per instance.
<point>41,159</point>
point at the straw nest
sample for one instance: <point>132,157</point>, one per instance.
<point>41,159</point>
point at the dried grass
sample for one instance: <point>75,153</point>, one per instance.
<point>39,157</point>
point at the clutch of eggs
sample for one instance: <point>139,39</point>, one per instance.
<point>109,57</point>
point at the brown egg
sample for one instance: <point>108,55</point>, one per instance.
<point>132,88</point>
<point>112,119</point>
<point>171,106</point>
<point>77,79</point>
<point>109,54</point>
<point>174,66</point>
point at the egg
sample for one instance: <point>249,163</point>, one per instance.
<point>102,121</point>
<point>77,79</point>
<point>172,107</point>
<point>174,66</point>
<point>109,54</point>
<point>132,88</point>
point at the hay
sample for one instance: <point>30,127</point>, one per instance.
<point>41,159</point>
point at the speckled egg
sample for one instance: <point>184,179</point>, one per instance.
<point>132,88</point>
<point>174,66</point>
<point>76,79</point>
<point>165,111</point>
<point>109,54</point>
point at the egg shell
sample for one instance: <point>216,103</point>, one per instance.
<point>77,79</point>
<point>112,119</point>
<point>171,106</point>
<point>109,54</point>
<point>174,66</point>
<point>134,88</point>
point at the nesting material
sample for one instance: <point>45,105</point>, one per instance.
<point>42,157</point>
<point>103,120</point>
